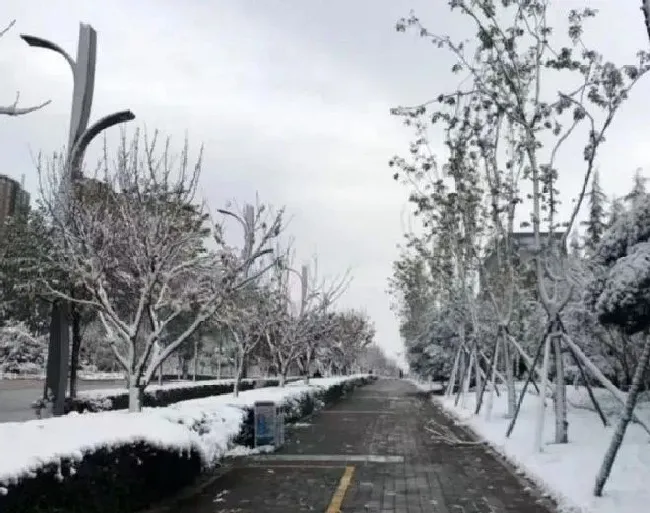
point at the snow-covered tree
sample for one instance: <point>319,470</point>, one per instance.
<point>353,331</point>
<point>620,295</point>
<point>25,238</point>
<point>574,244</point>
<point>505,71</point>
<point>21,352</point>
<point>596,219</point>
<point>373,358</point>
<point>638,189</point>
<point>260,225</point>
<point>616,210</point>
<point>136,253</point>
<point>285,338</point>
<point>247,316</point>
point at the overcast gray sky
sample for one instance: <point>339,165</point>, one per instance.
<point>290,98</point>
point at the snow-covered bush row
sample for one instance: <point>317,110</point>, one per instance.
<point>119,461</point>
<point>157,395</point>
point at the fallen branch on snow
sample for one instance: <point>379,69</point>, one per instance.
<point>445,435</point>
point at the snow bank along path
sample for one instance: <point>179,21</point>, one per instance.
<point>27,446</point>
<point>567,472</point>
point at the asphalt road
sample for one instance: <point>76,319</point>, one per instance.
<point>16,395</point>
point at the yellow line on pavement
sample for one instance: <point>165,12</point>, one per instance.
<point>339,494</point>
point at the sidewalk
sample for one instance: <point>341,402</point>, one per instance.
<point>371,453</point>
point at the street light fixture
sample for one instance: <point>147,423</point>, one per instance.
<point>79,137</point>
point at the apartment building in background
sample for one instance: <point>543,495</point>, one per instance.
<point>523,247</point>
<point>14,198</point>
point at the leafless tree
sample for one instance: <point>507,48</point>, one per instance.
<point>132,246</point>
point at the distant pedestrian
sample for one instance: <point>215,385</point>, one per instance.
<point>401,374</point>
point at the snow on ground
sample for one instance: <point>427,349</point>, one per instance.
<point>430,386</point>
<point>83,375</point>
<point>100,376</point>
<point>568,472</point>
<point>12,375</point>
<point>28,446</point>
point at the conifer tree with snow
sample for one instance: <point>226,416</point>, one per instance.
<point>620,296</point>
<point>596,220</point>
<point>638,189</point>
<point>616,210</point>
<point>575,246</point>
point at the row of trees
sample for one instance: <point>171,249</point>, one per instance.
<point>144,271</point>
<point>134,252</point>
<point>477,302</point>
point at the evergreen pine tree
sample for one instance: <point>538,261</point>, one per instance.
<point>638,189</point>
<point>576,250</point>
<point>616,210</point>
<point>595,223</point>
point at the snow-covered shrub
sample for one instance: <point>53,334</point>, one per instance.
<point>126,477</point>
<point>113,461</point>
<point>619,292</point>
<point>155,396</point>
<point>21,352</point>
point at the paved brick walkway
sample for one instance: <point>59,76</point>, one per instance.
<point>397,466</point>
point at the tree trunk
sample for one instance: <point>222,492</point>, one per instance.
<point>493,378</point>
<point>307,367</point>
<point>477,378</point>
<point>238,375</point>
<point>517,372</point>
<point>75,318</point>
<point>219,362</point>
<point>244,370</point>
<point>160,373</point>
<point>621,427</point>
<point>196,358</point>
<point>561,422</point>
<point>597,373</point>
<point>468,378</point>
<point>283,375</point>
<point>541,407</point>
<point>510,379</point>
<point>135,396</point>
<point>454,372</point>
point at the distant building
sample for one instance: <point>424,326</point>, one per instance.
<point>92,189</point>
<point>13,199</point>
<point>523,246</point>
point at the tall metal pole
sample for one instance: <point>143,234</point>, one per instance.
<point>79,137</point>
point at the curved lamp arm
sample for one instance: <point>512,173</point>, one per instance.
<point>78,150</point>
<point>39,42</point>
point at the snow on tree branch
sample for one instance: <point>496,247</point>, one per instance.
<point>13,109</point>
<point>133,246</point>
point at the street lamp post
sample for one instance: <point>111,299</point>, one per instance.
<point>80,136</point>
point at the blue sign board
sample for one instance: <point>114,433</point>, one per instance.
<point>266,425</point>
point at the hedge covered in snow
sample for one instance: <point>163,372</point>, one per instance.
<point>158,395</point>
<point>118,461</point>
